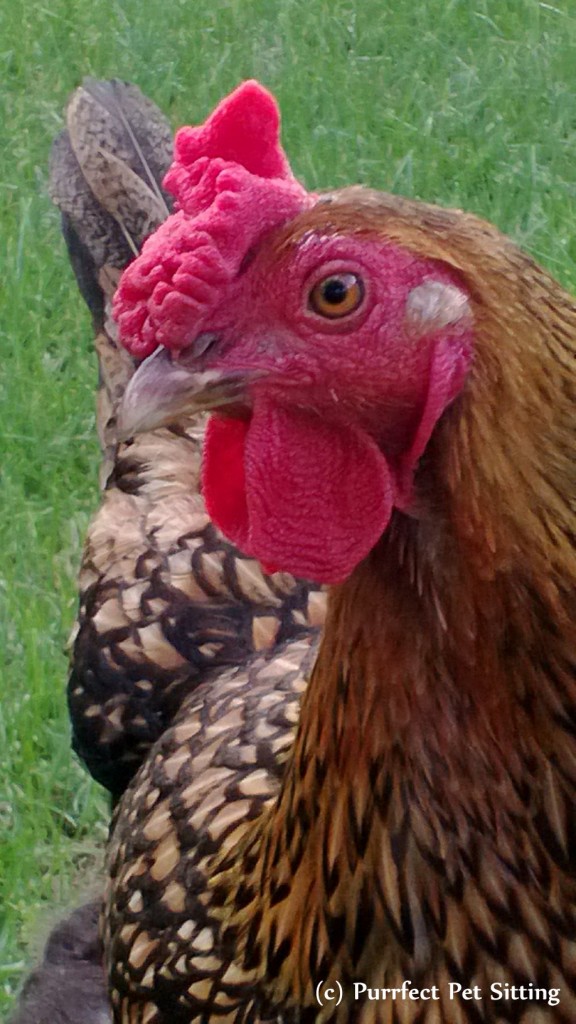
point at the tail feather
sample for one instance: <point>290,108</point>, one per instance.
<point>93,236</point>
<point>107,168</point>
<point>139,134</point>
<point>106,172</point>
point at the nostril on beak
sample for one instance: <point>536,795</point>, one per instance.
<point>202,343</point>
<point>195,349</point>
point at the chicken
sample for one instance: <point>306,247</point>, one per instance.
<point>165,601</point>
<point>392,387</point>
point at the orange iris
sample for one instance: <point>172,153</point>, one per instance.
<point>337,295</point>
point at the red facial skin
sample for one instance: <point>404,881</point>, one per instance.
<point>368,368</point>
<point>337,410</point>
<point>341,409</point>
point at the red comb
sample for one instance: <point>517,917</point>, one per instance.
<point>244,129</point>
<point>233,184</point>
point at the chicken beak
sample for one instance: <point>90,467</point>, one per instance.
<point>163,389</point>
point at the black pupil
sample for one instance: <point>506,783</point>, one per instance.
<point>334,291</point>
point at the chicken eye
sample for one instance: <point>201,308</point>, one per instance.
<point>337,295</point>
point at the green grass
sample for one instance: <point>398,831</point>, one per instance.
<point>464,102</point>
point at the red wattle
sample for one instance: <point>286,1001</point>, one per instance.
<point>224,484</point>
<point>298,493</point>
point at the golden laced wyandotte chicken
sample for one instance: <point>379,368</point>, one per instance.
<point>394,392</point>
<point>165,601</point>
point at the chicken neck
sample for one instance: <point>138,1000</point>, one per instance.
<point>429,798</point>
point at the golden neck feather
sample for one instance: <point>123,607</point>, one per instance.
<point>440,714</point>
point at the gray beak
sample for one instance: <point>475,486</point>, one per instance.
<point>163,389</point>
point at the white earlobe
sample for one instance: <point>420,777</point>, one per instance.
<point>434,305</point>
